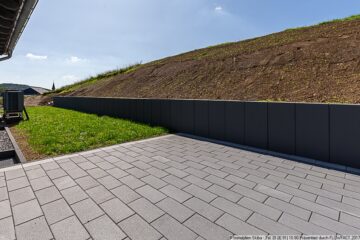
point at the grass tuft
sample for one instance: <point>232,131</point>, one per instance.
<point>54,131</point>
<point>96,78</point>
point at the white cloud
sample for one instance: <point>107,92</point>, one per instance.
<point>36,57</point>
<point>218,9</point>
<point>74,59</point>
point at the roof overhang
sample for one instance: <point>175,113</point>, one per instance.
<point>14,15</point>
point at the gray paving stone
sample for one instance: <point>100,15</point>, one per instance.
<point>273,192</point>
<point>141,165</point>
<point>47,195</point>
<point>124,165</point>
<point>303,226</point>
<point>36,229</point>
<point>7,229</point>
<point>289,208</point>
<point>26,211</point>
<point>146,209</point>
<point>196,172</point>
<point>150,193</point>
<point>99,194</point>
<point>206,229</point>
<point>69,228</point>
<point>304,181</point>
<point>56,173</point>
<point>172,229</point>
<point>333,225</point>
<point>235,209</point>
<point>138,229</point>
<point>351,201</point>
<point>315,207</point>
<point>87,210</point>
<point>283,181</point>
<point>297,192</point>
<point>175,193</point>
<point>249,193</point>
<point>321,192</point>
<point>97,173</point>
<point>200,193</point>
<point>50,166</point>
<point>157,172</point>
<point>176,172</point>
<point>137,172</point>
<point>57,211</point>
<point>234,172</point>
<point>338,206</point>
<point>41,183</point>
<point>77,173</point>
<point>198,181</point>
<point>74,194</point>
<point>175,209</point>
<point>270,226</point>
<point>350,220</point>
<point>109,182</point>
<point>177,182</point>
<point>64,182</point>
<point>103,228</point>
<point>5,210</point>
<point>219,181</point>
<point>86,165</point>
<point>35,173</point>
<point>238,227</point>
<point>240,181</point>
<point>262,181</point>
<point>132,182</point>
<point>154,181</point>
<point>117,173</point>
<point>327,181</point>
<point>87,182</point>
<point>223,192</point>
<point>17,183</point>
<point>117,210</point>
<point>204,209</point>
<point>21,195</point>
<point>125,194</point>
<point>215,172</point>
<point>14,174</point>
<point>3,194</point>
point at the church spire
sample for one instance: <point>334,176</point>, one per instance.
<point>53,86</point>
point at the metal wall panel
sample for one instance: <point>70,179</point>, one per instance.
<point>217,120</point>
<point>256,124</point>
<point>201,118</point>
<point>312,131</point>
<point>345,135</point>
<point>281,127</point>
<point>235,122</point>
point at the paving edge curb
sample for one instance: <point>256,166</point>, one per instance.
<point>18,153</point>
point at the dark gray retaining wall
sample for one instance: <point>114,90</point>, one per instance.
<point>325,132</point>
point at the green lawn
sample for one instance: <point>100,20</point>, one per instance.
<point>53,131</point>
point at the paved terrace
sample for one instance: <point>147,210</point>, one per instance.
<point>174,187</point>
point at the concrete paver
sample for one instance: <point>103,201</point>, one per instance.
<point>174,187</point>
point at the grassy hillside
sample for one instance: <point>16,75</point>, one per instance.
<point>312,64</point>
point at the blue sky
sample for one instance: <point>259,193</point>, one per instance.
<point>69,40</point>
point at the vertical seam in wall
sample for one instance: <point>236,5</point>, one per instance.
<point>208,117</point>
<point>244,124</point>
<point>329,130</point>
<point>295,129</point>
<point>267,126</point>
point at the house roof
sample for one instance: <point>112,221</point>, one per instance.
<point>14,15</point>
<point>40,90</point>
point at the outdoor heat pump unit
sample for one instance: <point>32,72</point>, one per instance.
<point>13,104</point>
